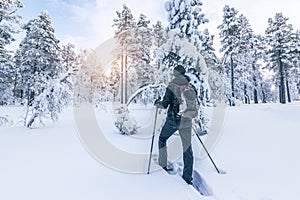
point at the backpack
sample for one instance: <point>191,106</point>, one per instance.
<point>188,108</point>
<point>185,101</point>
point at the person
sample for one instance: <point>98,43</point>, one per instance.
<point>178,120</point>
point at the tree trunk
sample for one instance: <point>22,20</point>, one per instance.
<point>126,80</point>
<point>255,93</point>
<point>29,124</point>
<point>282,84</point>
<point>264,98</point>
<point>232,81</point>
<point>15,88</point>
<point>288,91</point>
<point>247,99</point>
<point>255,96</point>
<point>121,78</point>
<point>280,94</point>
<point>287,86</point>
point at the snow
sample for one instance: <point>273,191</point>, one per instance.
<point>258,149</point>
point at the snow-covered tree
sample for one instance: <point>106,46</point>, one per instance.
<point>88,78</point>
<point>186,16</point>
<point>45,80</point>
<point>159,34</point>
<point>140,68</point>
<point>51,102</point>
<point>245,60</point>
<point>69,57</point>
<point>9,25</point>
<point>183,36</point>
<point>229,33</point>
<point>159,38</point>
<point>184,44</point>
<point>256,52</point>
<point>124,33</point>
<point>8,21</point>
<point>238,61</point>
<point>38,56</point>
<point>279,40</point>
<point>7,79</point>
<point>215,72</point>
<point>113,82</point>
<point>292,68</point>
<point>295,73</point>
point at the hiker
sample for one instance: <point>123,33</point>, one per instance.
<point>178,118</point>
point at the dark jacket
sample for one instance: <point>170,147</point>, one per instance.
<point>170,100</point>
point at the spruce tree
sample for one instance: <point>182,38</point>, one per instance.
<point>215,72</point>
<point>45,81</point>
<point>140,61</point>
<point>124,33</point>
<point>8,21</point>
<point>159,38</point>
<point>240,56</point>
<point>38,56</point>
<point>279,38</point>
<point>229,33</point>
<point>257,53</point>
<point>9,25</point>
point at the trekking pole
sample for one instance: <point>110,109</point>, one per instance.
<point>151,149</point>
<point>206,151</point>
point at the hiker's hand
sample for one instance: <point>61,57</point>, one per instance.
<point>157,102</point>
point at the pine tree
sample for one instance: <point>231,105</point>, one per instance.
<point>267,95</point>
<point>185,16</point>
<point>38,56</point>
<point>245,60</point>
<point>87,78</point>
<point>9,24</point>
<point>125,25</point>
<point>45,82</point>
<point>214,70</point>
<point>229,32</point>
<point>159,38</point>
<point>279,38</point>
<point>7,79</point>
<point>69,58</point>
<point>183,43</point>
<point>257,53</point>
<point>8,20</point>
<point>113,81</point>
<point>238,61</point>
<point>140,60</point>
<point>296,63</point>
<point>292,68</point>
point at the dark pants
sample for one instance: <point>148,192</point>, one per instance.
<point>169,128</point>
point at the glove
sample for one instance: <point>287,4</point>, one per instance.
<point>157,102</point>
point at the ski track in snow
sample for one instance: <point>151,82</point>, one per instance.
<point>258,150</point>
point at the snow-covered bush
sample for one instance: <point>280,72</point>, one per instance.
<point>51,102</point>
<point>4,121</point>
<point>124,122</point>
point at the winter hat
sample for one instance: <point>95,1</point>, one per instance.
<point>179,70</point>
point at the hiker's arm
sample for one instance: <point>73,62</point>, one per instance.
<point>166,99</point>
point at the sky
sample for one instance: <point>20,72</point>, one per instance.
<point>88,23</point>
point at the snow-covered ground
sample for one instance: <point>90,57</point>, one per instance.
<point>258,149</point>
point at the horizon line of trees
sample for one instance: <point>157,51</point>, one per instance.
<point>41,73</point>
<point>245,56</point>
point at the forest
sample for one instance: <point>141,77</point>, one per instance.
<point>45,77</point>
